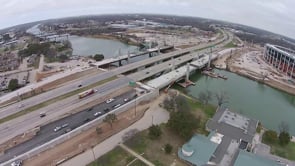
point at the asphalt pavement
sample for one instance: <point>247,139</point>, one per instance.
<point>29,121</point>
<point>73,121</point>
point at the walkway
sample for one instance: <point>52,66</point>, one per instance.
<point>136,155</point>
<point>154,115</point>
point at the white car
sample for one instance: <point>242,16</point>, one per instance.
<point>17,163</point>
<point>110,100</point>
<point>126,99</point>
<point>98,113</point>
<point>64,125</point>
<point>57,128</point>
<point>116,106</point>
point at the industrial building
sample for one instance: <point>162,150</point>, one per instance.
<point>281,58</point>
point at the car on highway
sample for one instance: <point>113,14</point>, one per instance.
<point>42,114</point>
<point>110,100</point>
<point>20,106</point>
<point>97,113</point>
<point>17,163</point>
<point>106,110</point>
<point>79,85</point>
<point>56,128</point>
<point>89,109</point>
<point>64,125</point>
<point>86,120</point>
<point>126,99</point>
<point>68,130</point>
<point>116,106</point>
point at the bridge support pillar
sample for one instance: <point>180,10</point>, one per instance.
<point>150,54</point>
<point>120,63</point>
<point>128,56</point>
<point>187,72</point>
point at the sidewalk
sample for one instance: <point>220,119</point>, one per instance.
<point>155,115</point>
<point>136,155</point>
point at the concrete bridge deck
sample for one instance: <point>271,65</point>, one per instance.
<point>131,55</point>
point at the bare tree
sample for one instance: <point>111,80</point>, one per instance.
<point>205,96</point>
<point>221,97</point>
<point>283,127</point>
<point>110,119</point>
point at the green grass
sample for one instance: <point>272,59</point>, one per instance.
<point>116,157</point>
<point>56,99</point>
<point>230,45</point>
<point>287,151</point>
<point>138,142</point>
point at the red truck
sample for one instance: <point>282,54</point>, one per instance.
<point>86,93</point>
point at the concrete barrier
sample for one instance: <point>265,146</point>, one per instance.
<point>51,144</point>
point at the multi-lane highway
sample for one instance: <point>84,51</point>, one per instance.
<point>71,122</point>
<point>123,69</point>
<point>24,123</point>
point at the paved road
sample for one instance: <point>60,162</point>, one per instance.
<point>29,121</point>
<point>70,87</point>
<point>154,114</point>
<point>47,132</point>
<point>11,109</point>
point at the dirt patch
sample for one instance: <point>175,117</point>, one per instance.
<point>18,139</point>
<point>86,139</point>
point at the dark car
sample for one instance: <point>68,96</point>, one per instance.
<point>87,120</point>
<point>79,85</point>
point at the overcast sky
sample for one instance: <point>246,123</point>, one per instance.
<point>273,15</point>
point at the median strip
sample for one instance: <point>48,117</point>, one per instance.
<point>53,100</point>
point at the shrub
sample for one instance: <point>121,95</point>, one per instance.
<point>270,137</point>
<point>155,132</point>
<point>168,148</point>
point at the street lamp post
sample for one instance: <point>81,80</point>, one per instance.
<point>93,153</point>
<point>135,105</point>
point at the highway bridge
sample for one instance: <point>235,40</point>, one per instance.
<point>127,57</point>
<point>137,71</point>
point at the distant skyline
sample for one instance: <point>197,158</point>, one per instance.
<point>273,15</point>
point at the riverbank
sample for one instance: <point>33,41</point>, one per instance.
<point>256,77</point>
<point>114,37</point>
<point>248,63</point>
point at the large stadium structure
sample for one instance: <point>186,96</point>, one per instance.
<point>281,58</point>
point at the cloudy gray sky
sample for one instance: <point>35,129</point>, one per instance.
<point>273,15</point>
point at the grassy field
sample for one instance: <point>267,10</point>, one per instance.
<point>230,45</point>
<point>51,101</point>
<point>287,151</point>
<point>116,157</point>
<point>153,150</point>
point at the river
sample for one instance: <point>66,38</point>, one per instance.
<point>90,46</point>
<point>255,100</point>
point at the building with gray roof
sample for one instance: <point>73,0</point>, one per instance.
<point>226,143</point>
